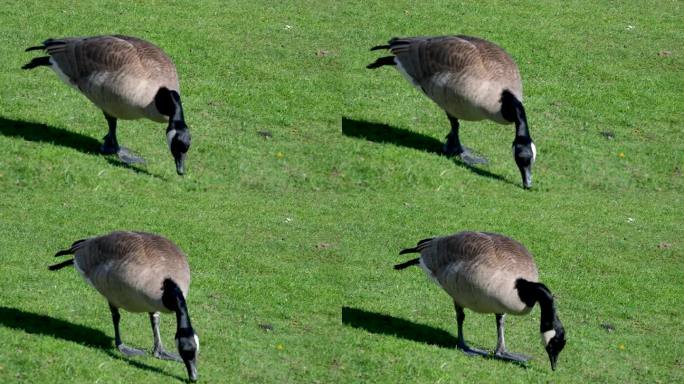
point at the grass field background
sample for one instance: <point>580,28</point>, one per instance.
<point>308,173</point>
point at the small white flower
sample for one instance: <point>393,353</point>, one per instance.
<point>630,220</point>
<point>288,27</point>
<point>288,219</point>
<point>630,27</point>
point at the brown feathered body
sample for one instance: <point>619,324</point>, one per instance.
<point>479,270</point>
<point>464,75</point>
<point>128,268</point>
<point>119,74</point>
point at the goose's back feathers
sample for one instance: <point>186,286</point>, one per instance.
<point>129,268</point>
<point>464,75</point>
<point>479,270</point>
<point>119,74</point>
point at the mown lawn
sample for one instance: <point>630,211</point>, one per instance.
<point>308,173</point>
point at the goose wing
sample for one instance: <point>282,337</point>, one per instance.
<point>424,57</point>
<point>80,57</point>
<point>84,58</point>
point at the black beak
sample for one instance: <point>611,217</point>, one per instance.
<point>191,366</point>
<point>180,163</point>
<point>554,359</point>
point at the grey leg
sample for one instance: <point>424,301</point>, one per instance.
<point>158,350</point>
<point>500,351</point>
<point>461,344</point>
<point>128,351</point>
<point>111,145</point>
<point>453,146</point>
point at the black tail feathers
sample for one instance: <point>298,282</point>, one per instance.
<point>61,265</point>
<point>378,47</point>
<point>409,250</point>
<point>422,244</point>
<point>391,43</point>
<point>387,60</point>
<point>419,247</point>
<point>47,43</point>
<point>64,252</point>
<point>37,62</point>
<point>407,264</point>
<point>74,247</point>
<point>41,61</point>
<point>36,48</point>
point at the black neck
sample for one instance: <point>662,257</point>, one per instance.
<point>513,110</point>
<point>178,125</point>
<point>530,293</point>
<point>168,103</point>
<point>549,317</point>
<point>521,130</point>
<point>173,299</point>
<point>178,109</point>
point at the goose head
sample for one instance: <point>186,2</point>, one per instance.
<point>187,342</point>
<point>179,143</point>
<point>524,153</point>
<point>554,342</point>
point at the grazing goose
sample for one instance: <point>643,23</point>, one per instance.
<point>470,79</point>
<point>126,77</point>
<point>490,273</point>
<point>139,272</point>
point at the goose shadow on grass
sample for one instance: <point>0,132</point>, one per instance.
<point>387,134</point>
<point>43,325</point>
<point>43,133</point>
<point>393,326</point>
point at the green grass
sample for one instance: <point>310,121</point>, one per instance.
<point>289,230</point>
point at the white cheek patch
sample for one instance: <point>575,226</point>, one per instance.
<point>169,136</point>
<point>547,336</point>
<point>534,152</point>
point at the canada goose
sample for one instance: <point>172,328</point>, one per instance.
<point>470,79</point>
<point>139,272</point>
<point>126,77</point>
<point>490,273</point>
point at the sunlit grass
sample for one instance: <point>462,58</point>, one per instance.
<point>308,173</point>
